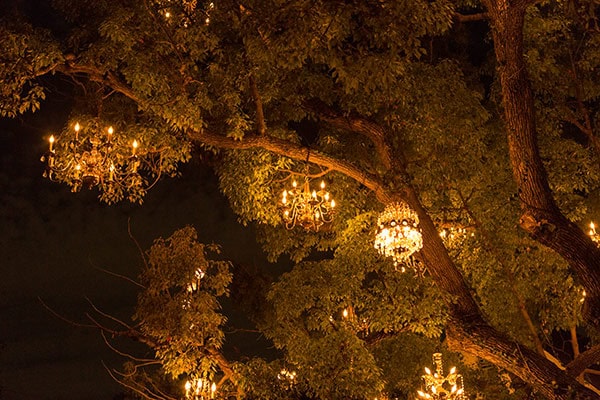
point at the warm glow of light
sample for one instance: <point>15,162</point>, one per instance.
<point>345,313</point>
<point>398,235</point>
<point>110,130</point>
<point>427,371</point>
<point>306,207</point>
<point>77,127</point>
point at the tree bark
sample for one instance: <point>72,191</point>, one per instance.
<point>541,217</point>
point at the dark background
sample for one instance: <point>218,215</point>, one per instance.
<point>52,244</point>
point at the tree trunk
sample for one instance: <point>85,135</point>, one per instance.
<point>541,217</point>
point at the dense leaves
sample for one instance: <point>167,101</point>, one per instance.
<point>383,100</point>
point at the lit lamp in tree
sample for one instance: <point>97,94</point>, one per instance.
<point>307,208</point>
<point>89,157</point>
<point>592,232</point>
<point>200,389</point>
<point>398,234</point>
<point>440,387</point>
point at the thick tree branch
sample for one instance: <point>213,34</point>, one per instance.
<point>372,131</point>
<point>297,152</point>
<point>485,342</point>
<point>482,16</point>
<point>584,361</point>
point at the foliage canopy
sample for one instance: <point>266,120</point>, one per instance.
<point>483,117</point>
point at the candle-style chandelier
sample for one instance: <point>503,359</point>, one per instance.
<point>306,207</point>
<point>440,387</point>
<point>89,156</point>
<point>398,234</point>
<point>200,389</point>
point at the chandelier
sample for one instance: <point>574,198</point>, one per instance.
<point>89,156</point>
<point>307,208</point>
<point>592,232</point>
<point>398,235</point>
<point>200,389</point>
<point>438,386</point>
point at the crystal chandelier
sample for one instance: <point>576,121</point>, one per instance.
<point>307,208</point>
<point>93,157</point>
<point>398,235</point>
<point>440,387</point>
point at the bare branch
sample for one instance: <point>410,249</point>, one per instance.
<point>137,244</point>
<point>141,392</point>
<point>63,318</point>
<point>147,361</point>
<point>126,278</point>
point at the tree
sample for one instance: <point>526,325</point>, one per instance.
<point>392,101</point>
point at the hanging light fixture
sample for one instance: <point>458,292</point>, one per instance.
<point>200,389</point>
<point>307,208</point>
<point>398,235</point>
<point>440,387</point>
<point>90,157</point>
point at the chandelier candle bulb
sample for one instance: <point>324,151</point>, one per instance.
<point>77,128</point>
<point>51,140</point>
<point>134,146</point>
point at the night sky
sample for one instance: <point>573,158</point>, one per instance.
<point>52,243</point>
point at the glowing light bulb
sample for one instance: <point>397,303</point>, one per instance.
<point>51,140</point>
<point>427,371</point>
<point>322,184</point>
<point>134,146</point>
<point>345,313</point>
<point>294,183</point>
